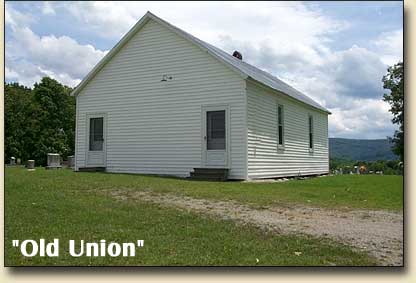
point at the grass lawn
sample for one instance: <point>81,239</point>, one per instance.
<point>346,191</point>
<point>59,204</point>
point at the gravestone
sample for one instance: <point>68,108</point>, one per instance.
<point>54,161</point>
<point>71,161</point>
<point>18,161</point>
<point>30,164</point>
<point>12,161</point>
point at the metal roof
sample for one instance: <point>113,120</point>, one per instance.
<point>245,69</point>
<point>250,70</point>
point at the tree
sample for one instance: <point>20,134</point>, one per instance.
<point>393,82</point>
<point>54,128</point>
<point>17,104</point>
<point>39,121</point>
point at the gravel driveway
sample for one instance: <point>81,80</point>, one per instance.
<point>379,233</point>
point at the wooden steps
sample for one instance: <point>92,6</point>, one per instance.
<point>210,174</point>
<point>91,169</point>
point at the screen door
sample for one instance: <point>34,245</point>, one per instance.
<point>96,140</point>
<point>215,136</point>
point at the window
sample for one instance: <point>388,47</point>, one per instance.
<point>310,132</point>
<point>216,130</point>
<point>280,132</point>
<point>96,134</point>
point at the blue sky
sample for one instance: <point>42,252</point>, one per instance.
<point>336,52</point>
<point>367,20</point>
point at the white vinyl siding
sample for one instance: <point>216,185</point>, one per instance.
<point>265,158</point>
<point>154,127</point>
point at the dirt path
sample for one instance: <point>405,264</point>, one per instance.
<point>379,233</point>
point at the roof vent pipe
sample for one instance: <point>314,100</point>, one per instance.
<point>238,55</point>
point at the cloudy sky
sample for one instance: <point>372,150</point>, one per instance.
<point>335,52</point>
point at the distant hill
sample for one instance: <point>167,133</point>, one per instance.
<point>365,150</point>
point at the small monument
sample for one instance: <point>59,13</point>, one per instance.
<point>30,165</point>
<point>12,161</point>
<point>54,161</point>
<point>71,161</point>
<point>357,170</point>
<point>18,161</point>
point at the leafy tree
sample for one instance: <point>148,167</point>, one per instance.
<point>393,82</point>
<point>378,166</point>
<point>17,104</point>
<point>336,163</point>
<point>39,121</point>
<point>54,129</point>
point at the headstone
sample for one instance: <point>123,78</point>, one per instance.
<point>31,164</point>
<point>340,171</point>
<point>18,161</point>
<point>54,161</point>
<point>12,161</point>
<point>357,170</point>
<point>71,161</point>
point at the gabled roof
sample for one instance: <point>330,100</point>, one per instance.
<point>242,68</point>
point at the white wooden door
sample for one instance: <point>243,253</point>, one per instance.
<point>96,140</point>
<point>215,136</point>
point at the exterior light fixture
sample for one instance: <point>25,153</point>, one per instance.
<point>165,78</point>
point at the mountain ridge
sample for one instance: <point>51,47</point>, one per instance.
<point>361,149</point>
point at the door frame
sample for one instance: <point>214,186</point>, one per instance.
<point>215,107</point>
<point>87,137</point>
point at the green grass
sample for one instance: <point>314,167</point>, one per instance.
<point>341,192</point>
<point>61,204</point>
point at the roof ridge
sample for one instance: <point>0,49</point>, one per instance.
<point>235,62</point>
<point>241,67</point>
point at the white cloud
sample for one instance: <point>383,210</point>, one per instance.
<point>107,19</point>
<point>11,74</point>
<point>55,53</point>
<point>47,9</point>
<point>347,74</point>
<point>23,72</point>
<point>390,46</point>
<point>14,18</point>
<point>366,119</point>
<point>61,57</point>
<point>287,39</point>
<point>348,82</point>
<point>287,28</point>
<point>357,72</point>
